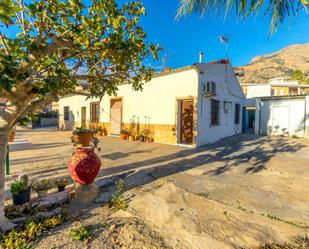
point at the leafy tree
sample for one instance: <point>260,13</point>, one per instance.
<point>58,44</point>
<point>277,10</point>
<point>299,76</point>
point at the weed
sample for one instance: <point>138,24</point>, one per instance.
<point>81,233</point>
<point>117,202</point>
<point>23,237</point>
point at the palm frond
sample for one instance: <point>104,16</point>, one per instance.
<point>277,10</point>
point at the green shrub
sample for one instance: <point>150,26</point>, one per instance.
<point>117,202</point>
<point>18,187</point>
<point>23,237</point>
<point>81,234</point>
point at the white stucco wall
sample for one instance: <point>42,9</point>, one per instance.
<point>292,120</point>
<point>258,91</point>
<point>75,103</point>
<point>158,98</point>
<point>227,89</point>
<point>157,101</point>
<point>307,118</point>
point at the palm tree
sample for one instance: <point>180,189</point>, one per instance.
<point>278,10</point>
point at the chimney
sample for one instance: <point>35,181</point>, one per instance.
<point>201,57</point>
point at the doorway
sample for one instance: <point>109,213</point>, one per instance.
<point>280,120</point>
<point>186,121</point>
<point>83,117</point>
<point>115,115</point>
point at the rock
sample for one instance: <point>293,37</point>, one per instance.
<point>54,199</point>
<point>54,212</point>
<point>84,197</point>
<point>19,220</point>
<point>104,197</point>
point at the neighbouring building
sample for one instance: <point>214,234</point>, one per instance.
<point>275,87</point>
<point>194,105</point>
<point>282,115</point>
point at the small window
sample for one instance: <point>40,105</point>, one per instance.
<point>95,112</point>
<point>237,113</point>
<point>66,113</point>
<point>215,112</point>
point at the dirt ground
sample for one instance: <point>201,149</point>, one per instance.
<point>240,192</point>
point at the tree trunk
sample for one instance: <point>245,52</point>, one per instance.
<point>5,224</point>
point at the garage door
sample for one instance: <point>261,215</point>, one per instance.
<point>116,116</point>
<point>280,120</point>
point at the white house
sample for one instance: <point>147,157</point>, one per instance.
<point>194,105</point>
<point>275,87</point>
<point>284,115</point>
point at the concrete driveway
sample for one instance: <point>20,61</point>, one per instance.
<point>256,186</point>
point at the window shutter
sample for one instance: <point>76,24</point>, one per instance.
<point>213,87</point>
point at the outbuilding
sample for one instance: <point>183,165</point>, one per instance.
<point>194,105</point>
<point>284,115</point>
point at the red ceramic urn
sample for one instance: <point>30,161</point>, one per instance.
<point>84,165</point>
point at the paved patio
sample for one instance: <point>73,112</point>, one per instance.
<point>256,186</point>
<point>269,174</point>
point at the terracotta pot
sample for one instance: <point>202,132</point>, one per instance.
<point>100,133</point>
<point>83,139</point>
<point>124,136</point>
<point>84,165</point>
<point>12,136</point>
<point>131,138</point>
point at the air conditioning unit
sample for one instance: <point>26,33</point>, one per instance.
<point>209,88</point>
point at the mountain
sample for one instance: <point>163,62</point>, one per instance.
<point>278,64</point>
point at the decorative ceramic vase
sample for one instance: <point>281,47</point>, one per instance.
<point>84,165</point>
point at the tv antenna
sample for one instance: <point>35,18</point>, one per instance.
<point>164,61</point>
<point>224,39</point>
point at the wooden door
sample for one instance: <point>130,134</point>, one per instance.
<point>83,117</point>
<point>186,121</point>
<point>116,116</point>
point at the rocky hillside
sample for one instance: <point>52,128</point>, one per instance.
<point>278,64</point>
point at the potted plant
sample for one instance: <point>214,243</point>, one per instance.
<point>146,133</point>
<point>12,136</point>
<point>124,133</point>
<point>100,131</point>
<point>141,137</point>
<point>61,184</point>
<point>42,187</point>
<point>20,192</point>
<point>104,131</point>
<point>132,129</point>
<point>82,136</point>
<point>132,136</point>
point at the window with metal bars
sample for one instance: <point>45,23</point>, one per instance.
<point>95,112</point>
<point>215,112</point>
<point>237,113</point>
<point>66,113</point>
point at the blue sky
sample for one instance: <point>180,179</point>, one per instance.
<point>182,40</point>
